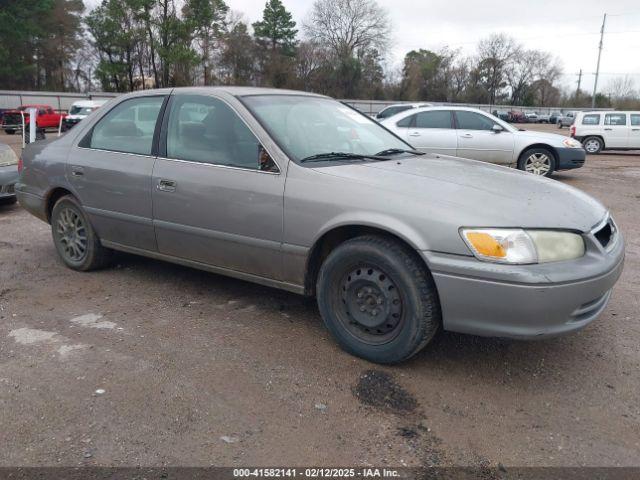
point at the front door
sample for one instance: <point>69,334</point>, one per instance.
<point>217,193</point>
<point>478,141</point>
<point>110,170</point>
<point>616,130</point>
<point>432,131</point>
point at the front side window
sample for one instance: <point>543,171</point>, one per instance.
<point>473,121</point>
<point>635,119</point>
<point>615,119</point>
<point>434,119</point>
<point>406,122</point>
<point>591,119</point>
<point>206,130</point>
<point>305,125</point>
<point>128,127</point>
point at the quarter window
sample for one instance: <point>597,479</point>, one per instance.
<point>635,119</point>
<point>128,127</point>
<point>434,119</point>
<point>615,119</point>
<point>390,111</point>
<point>406,122</point>
<point>206,130</point>
<point>473,121</point>
<point>591,119</point>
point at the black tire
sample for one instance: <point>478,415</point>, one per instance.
<point>527,164</point>
<point>593,145</point>
<point>560,125</point>
<point>67,221</point>
<point>375,272</point>
<point>8,200</point>
<point>10,132</point>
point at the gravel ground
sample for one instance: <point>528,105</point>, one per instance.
<point>149,363</point>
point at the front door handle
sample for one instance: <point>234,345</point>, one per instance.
<point>635,129</point>
<point>608,129</point>
<point>414,134</point>
<point>466,135</point>
<point>167,185</point>
<point>77,171</point>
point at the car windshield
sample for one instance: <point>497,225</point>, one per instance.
<point>75,110</point>
<point>306,126</point>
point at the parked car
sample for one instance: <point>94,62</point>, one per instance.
<point>607,130</point>
<point>532,117</point>
<point>8,174</point>
<point>554,116</point>
<point>79,111</point>
<point>566,120</point>
<point>516,116</point>
<point>544,117</point>
<point>392,110</point>
<point>47,117</point>
<point>471,133</point>
<point>394,244</point>
<point>501,114</point>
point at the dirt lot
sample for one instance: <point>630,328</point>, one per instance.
<point>149,363</point>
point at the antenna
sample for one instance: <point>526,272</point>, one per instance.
<point>595,83</point>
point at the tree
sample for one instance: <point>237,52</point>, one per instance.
<point>237,60</point>
<point>206,18</point>
<point>277,28</point>
<point>494,55</point>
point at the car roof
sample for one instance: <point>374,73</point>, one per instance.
<point>231,90</point>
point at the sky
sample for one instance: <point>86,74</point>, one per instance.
<point>568,29</point>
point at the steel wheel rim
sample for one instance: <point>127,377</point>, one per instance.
<point>71,233</point>
<point>371,307</point>
<point>592,146</point>
<point>538,164</point>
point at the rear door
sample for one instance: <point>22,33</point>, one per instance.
<point>478,141</point>
<point>217,193</point>
<point>432,131</point>
<point>616,130</point>
<point>634,134</point>
<point>110,169</point>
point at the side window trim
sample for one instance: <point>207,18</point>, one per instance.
<point>85,141</point>
<point>163,134</point>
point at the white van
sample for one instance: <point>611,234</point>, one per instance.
<point>607,130</point>
<point>79,110</point>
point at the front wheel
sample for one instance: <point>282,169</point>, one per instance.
<point>538,161</point>
<point>593,145</point>
<point>75,239</point>
<point>378,299</point>
<point>10,131</point>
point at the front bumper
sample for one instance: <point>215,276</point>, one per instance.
<point>569,158</point>
<point>525,301</point>
<point>8,179</point>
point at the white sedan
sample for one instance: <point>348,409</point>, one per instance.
<point>471,133</point>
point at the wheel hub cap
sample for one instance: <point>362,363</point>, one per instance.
<point>538,164</point>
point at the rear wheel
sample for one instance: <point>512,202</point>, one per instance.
<point>538,161</point>
<point>378,299</point>
<point>10,131</point>
<point>74,238</point>
<point>593,145</point>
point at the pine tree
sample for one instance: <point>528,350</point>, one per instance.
<point>277,28</point>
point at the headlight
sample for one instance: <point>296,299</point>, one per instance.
<point>7,157</point>
<point>571,143</point>
<point>517,246</point>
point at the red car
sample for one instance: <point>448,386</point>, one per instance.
<point>47,118</point>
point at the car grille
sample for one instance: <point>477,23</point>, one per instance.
<point>606,234</point>
<point>12,119</point>
<point>8,189</point>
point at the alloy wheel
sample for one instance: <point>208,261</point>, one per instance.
<point>71,234</point>
<point>592,145</point>
<point>538,164</point>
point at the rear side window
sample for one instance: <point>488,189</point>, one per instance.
<point>206,130</point>
<point>406,122</point>
<point>591,119</point>
<point>388,112</point>
<point>635,119</point>
<point>615,119</point>
<point>434,119</point>
<point>473,121</point>
<point>128,127</point>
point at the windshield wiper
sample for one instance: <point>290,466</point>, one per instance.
<point>391,151</point>
<point>341,155</point>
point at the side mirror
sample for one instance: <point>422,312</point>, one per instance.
<point>497,128</point>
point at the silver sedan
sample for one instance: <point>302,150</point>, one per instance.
<point>300,192</point>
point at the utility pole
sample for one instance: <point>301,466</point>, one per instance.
<point>595,83</point>
<point>579,82</point>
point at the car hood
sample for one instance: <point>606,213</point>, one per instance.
<point>476,193</point>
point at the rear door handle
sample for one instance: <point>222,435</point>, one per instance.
<point>414,134</point>
<point>635,129</point>
<point>466,135</point>
<point>166,185</point>
<point>77,171</point>
<point>608,129</point>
